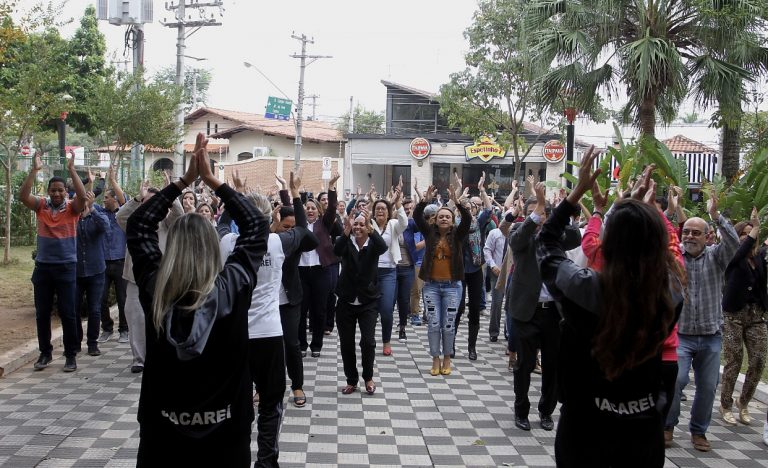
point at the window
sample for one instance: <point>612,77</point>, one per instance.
<point>208,128</point>
<point>215,128</point>
<point>243,156</point>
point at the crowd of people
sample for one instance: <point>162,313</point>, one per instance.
<point>613,306</point>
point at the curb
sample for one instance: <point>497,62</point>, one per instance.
<point>19,357</point>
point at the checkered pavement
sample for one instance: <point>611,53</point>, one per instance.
<point>88,418</point>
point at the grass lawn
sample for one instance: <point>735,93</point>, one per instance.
<point>15,279</point>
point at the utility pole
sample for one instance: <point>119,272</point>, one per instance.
<point>314,105</point>
<point>351,116</point>
<point>137,168</point>
<point>182,23</point>
<point>300,103</point>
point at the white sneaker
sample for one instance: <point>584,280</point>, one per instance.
<point>765,433</point>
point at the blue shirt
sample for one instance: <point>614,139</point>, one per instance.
<point>114,237</point>
<point>90,248</point>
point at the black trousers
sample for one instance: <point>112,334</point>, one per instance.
<point>330,310</point>
<point>113,275</point>
<point>289,317</point>
<point>473,286</point>
<point>587,439</point>
<point>223,449</point>
<point>541,332</point>
<point>316,284</point>
<point>348,316</point>
<point>267,363</point>
<point>668,385</point>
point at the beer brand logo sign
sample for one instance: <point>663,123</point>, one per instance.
<point>554,151</point>
<point>420,148</point>
<point>485,149</point>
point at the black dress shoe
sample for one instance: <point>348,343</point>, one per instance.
<point>522,423</point>
<point>472,354</point>
<point>546,422</point>
<point>494,339</point>
<point>43,361</point>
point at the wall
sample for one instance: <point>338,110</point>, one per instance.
<point>261,173</point>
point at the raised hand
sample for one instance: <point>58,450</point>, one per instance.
<point>650,194</point>
<point>587,176</point>
<point>712,205</point>
<point>143,189</point>
<point>599,199</point>
<point>481,182</point>
<point>90,197</point>
<point>167,177</point>
<point>71,161</point>
<point>334,178</point>
<point>38,162</point>
<point>281,184</point>
<point>238,183</point>
<point>295,183</point>
<point>193,169</point>
<point>643,183</point>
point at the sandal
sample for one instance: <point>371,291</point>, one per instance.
<point>299,400</point>
<point>387,349</point>
<point>349,389</point>
<point>370,388</point>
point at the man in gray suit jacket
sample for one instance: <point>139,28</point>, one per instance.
<point>535,317</point>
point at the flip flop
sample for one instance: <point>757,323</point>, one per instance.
<point>300,401</point>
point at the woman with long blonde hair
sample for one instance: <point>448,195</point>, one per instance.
<point>195,406</point>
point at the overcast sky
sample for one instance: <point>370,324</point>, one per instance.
<point>413,42</point>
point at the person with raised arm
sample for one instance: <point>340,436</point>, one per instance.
<point>358,291</point>
<point>114,258</point>
<point>614,326</point>
<point>442,270</point>
<point>745,304</point>
<point>195,405</point>
<point>55,273</point>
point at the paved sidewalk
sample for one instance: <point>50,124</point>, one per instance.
<point>88,418</point>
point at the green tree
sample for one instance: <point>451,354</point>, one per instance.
<point>690,118</point>
<point>86,57</point>
<point>495,94</point>
<point>363,121</point>
<point>33,81</point>
<point>650,48</point>
<point>127,110</point>
<point>754,136</point>
<point>197,81</point>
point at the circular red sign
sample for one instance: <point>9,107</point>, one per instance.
<point>25,151</point>
<point>419,148</point>
<point>554,151</point>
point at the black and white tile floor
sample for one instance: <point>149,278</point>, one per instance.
<point>88,418</point>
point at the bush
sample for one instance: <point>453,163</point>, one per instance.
<point>23,224</point>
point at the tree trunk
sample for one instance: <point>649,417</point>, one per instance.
<point>730,150</point>
<point>647,116</point>
<point>8,204</point>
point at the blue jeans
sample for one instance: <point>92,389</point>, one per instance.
<point>441,299</point>
<point>703,353</point>
<point>388,289</point>
<point>405,277</point>
<point>59,279</point>
<point>93,288</point>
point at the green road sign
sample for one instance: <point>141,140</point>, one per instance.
<point>278,108</point>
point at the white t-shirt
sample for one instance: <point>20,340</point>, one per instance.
<point>264,313</point>
<point>311,258</point>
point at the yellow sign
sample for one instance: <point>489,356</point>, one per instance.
<point>485,149</point>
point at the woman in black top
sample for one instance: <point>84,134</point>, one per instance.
<point>358,292</point>
<point>744,309</point>
<point>614,325</point>
<point>195,406</point>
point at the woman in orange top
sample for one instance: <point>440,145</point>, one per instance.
<point>442,271</point>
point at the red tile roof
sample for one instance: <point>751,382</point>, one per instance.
<point>682,144</point>
<point>188,147</point>
<point>312,130</point>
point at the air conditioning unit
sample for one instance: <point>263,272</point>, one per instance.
<point>260,151</point>
<point>120,12</point>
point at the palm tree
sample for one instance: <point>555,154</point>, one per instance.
<point>650,47</point>
<point>736,40</point>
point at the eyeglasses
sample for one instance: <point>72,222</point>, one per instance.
<point>692,232</point>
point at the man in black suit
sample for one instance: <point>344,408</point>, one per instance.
<point>535,317</point>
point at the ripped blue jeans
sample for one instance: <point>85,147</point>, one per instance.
<point>441,299</point>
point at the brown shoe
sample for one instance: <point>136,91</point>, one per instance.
<point>668,436</point>
<point>700,442</point>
